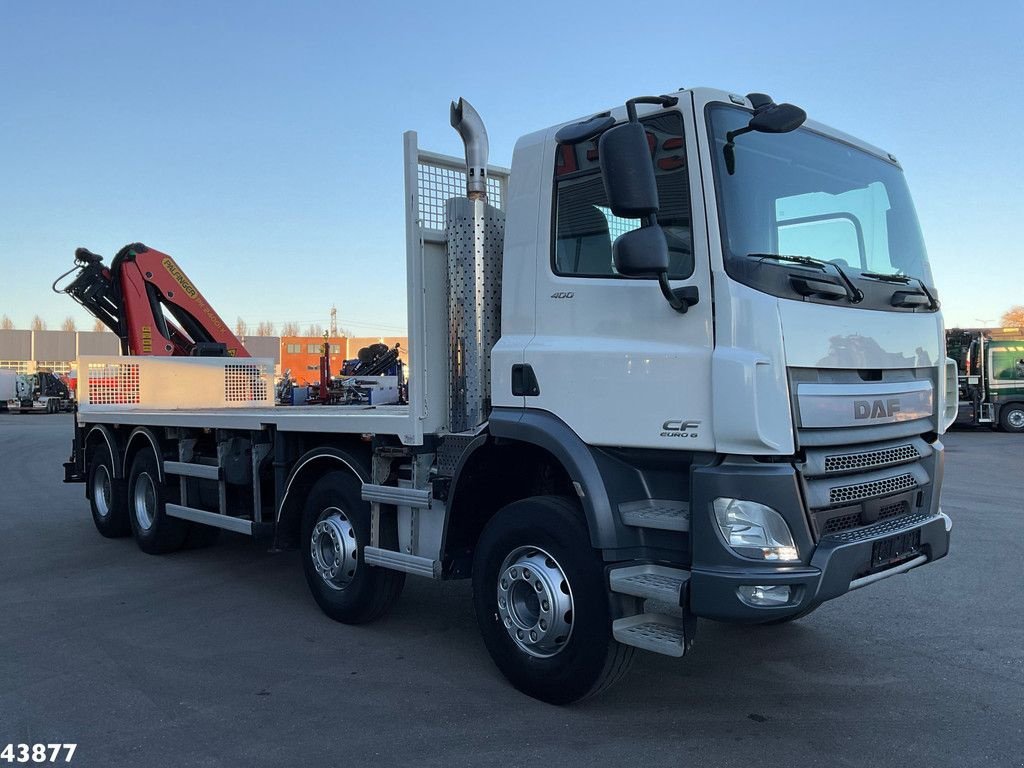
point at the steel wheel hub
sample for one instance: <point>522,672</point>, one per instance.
<point>102,491</point>
<point>145,501</point>
<point>535,601</point>
<point>1016,418</point>
<point>334,548</point>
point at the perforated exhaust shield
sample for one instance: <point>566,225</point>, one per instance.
<point>474,234</point>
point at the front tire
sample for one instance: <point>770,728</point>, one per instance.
<point>542,604</point>
<point>1011,417</point>
<point>335,531</point>
<point>155,532</point>
<point>108,496</point>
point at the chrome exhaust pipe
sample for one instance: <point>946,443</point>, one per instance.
<point>470,127</point>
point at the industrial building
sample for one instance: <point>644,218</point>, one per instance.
<point>27,351</point>
<point>301,354</point>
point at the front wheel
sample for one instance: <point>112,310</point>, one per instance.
<point>541,602</point>
<point>1011,417</point>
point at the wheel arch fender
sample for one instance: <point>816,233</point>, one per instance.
<point>101,434</point>
<point>548,432</point>
<point>138,440</point>
<point>304,473</point>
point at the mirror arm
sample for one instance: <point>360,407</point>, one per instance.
<point>665,101</point>
<point>681,299</point>
<point>729,151</point>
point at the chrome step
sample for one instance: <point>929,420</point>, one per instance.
<point>652,632</point>
<point>400,561</point>
<point>236,524</point>
<point>664,514</point>
<point>654,582</point>
<point>399,497</point>
<point>187,469</point>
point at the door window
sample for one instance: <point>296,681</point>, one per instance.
<point>585,228</point>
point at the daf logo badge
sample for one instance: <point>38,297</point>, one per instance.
<point>876,409</point>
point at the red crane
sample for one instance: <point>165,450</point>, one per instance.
<point>150,303</point>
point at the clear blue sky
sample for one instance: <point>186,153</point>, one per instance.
<point>260,143</point>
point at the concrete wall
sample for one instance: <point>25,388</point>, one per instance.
<point>263,346</point>
<point>54,345</point>
<point>15,345</point>
<point>98,343</point>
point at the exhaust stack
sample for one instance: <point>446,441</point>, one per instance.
<point>470,127</point>
<point>474,236</point>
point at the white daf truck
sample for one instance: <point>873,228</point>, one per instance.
<point>683,360</point>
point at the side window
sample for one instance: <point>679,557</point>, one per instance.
<point>585,227</point>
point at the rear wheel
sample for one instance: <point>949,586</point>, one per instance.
<point>1011,417</point>
<point>155,532</point>
<point>335,531</point>
<point>108,496</point>
<point>542,604</point>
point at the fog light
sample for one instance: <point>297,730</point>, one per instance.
<point>762,595</point>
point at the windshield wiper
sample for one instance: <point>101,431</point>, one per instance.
<point>853,293</point>
<point>895,277</point>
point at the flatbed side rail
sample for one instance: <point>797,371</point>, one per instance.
<point>122,383</point>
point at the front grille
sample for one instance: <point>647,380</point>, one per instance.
<point>891,510</point>
<point>893,525</point>
<point>847,494</point>
<point>884,457</point>
<point>841,523</point>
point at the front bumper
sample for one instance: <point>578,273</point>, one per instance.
<point>840,562</point>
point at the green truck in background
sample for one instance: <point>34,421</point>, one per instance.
<point>990,364</point>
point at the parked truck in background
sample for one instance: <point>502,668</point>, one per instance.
<point>684,360</point>
<point>42,390</point>
<point>8,388</point>
<point>990,366</point>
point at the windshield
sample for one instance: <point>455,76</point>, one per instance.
<point>803,194</point>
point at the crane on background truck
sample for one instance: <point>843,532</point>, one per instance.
<point>150,303</point>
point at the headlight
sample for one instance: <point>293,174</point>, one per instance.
<point>754,530</point>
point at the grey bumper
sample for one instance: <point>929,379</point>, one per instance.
<point>840,563</point>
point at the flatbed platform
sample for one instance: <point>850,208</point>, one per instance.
<point>342,419</point>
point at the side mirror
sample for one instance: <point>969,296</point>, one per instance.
<point>644,253</point>
<point>628,171</point>
<point>641,252</point>
<point>768,117</point>
<point>778,118</point>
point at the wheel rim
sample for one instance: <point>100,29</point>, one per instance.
<point>535,602</point>
<point>1016,418</point>
<point>102,491</point>
<point>334,548</point>
<point>145,501</point>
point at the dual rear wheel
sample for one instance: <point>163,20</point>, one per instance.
<point>137,505</point>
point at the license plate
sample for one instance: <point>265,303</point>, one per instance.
<point>895,548</point>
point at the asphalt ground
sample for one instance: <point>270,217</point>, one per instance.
<point>219,656</point>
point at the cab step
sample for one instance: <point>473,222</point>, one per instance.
<point>664,514</point>
<point>652,632</point>
<point>652,582</point>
